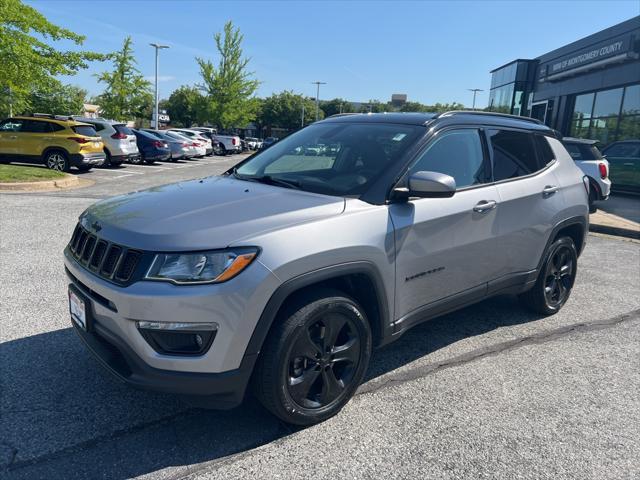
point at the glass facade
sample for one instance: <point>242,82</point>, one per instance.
<point>607,115</point>
<point>508,88</point>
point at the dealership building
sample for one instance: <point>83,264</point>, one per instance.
<point>588,89</point>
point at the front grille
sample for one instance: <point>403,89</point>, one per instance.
<point>108,260</point>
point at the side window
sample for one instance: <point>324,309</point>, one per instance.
<point>457,153</point>
<point>97,126</point>
<point>514,154</point>
<point>11,125</point>
<point>545,152</point>
<point>36,126</point>
<point>56,127</point>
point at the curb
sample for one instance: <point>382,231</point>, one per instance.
<point>69,181</point>
<point>617,231</point>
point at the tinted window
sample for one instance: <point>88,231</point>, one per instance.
<point>123,129</point>
<point>10,125</point>
<point>55,127</point>
<point>545,153</point>
<point>631,105</point>
<point>456,153</point>
<point>513,154</point>
<point>155,134</point>
<point>624,150</point>
<point>36,126</point>
<point>86,130</point>
<point>607,103</point>
<point>583,151</point>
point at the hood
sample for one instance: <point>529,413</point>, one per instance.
<point>203,214</point>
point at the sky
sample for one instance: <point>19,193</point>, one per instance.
<point>431,50</point>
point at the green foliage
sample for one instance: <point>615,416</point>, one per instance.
<point>284,110</point>
<point>436,108</point>
<point>29,58</point>
<point>186,106</point>
<point>376,106</point>
<point>335,106</point>
<point>230,86</point>
<point>127,94</point>
<point>57,99</point>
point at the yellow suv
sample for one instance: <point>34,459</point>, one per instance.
<point>58,142</point>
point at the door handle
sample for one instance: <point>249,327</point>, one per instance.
<point>549,190</point>
<point>485,206</point>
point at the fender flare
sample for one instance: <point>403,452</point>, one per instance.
<point>295,284</point>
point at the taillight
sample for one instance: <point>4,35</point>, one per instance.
<point>194,144</point>
<point>185,144</point>
<point>603,170</point>
<point>79,139</point>
<point>234,141</point>
<point>119,136</point>
<point>157,144</point>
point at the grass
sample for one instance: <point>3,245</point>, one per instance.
<point>19,173</point>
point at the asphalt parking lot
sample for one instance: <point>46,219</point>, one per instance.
<point>491,391</point>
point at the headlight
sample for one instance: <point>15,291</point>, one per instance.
<point>202,267</point>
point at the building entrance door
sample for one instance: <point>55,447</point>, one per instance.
<point>539,111</point>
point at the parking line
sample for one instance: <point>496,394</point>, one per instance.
<point>114,171</point>
<point>148,167</point>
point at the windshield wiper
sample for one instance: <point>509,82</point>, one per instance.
<point>268,179</point>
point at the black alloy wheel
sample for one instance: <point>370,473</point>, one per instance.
<point>323,361</point>
<point>314,358</point>
<point>559,276</point>
<point>555,279</point>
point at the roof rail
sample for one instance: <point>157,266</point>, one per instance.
<point>42,115</point>
<point>343,114</point>
<point>493,114</point>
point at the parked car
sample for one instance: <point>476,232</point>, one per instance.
<point>253,143</point>
<point>152,149</point>
<point>228,143</point>
<point>587,156</point>
<point>179,148</point>
<point>267,142</point>
<point>286,274</point>
<point>55,141</point>
<point>197,137</point>
<point>119,141</point>
<point>197,149</point>
<point>624,163</point>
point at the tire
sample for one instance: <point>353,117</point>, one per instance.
<point>555,280</point>
<point>84,168</point>
<point>107,161</point>
<point>57,160</point>
<point>137,160</point>
<point>593,197</point>
<point>317,322</point>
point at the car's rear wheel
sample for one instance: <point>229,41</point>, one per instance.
<point>314,358</point>
<point>555,280</point>
<point>57,160</point>
<point>217,149</point>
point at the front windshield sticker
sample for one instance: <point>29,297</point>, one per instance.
<point>399,136</point>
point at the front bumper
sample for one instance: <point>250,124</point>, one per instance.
<point>79,159</point>
<point>222,372</point>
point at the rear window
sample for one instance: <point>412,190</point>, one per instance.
<point>86,130</point>
<point>624,150</point>
<point>583,151</point>
<point>123,129</point>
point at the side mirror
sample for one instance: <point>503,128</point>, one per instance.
<point>428,185</point>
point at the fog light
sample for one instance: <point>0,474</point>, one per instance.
<point>178,338</point>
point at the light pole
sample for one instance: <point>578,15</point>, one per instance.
<point>317,84</point>
<point>475,91</point>
<point>155,122</point>
<point>302,116</point>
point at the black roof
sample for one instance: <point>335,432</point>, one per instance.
<point>453,117</point>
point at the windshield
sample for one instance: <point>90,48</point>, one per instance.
<point>331,158</point>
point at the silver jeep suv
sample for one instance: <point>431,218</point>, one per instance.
<point>284,273</point>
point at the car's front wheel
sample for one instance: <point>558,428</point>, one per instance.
<point>555,280</point>
<point>57,160</point>
<point>314,358</point>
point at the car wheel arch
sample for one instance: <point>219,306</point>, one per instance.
<point>48,150</point>
<point>336,276</point>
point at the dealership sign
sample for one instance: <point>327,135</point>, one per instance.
<point>597,56</point>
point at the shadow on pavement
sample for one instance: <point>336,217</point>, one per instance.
<point>62,416</point>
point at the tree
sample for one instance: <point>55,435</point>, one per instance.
<point>186,106</point>
<point>284,110</point>
<point>230,87</point>
<point>127,94</point>
<point>29,59</point>
<point>57,99</point>
<point>376,106</point>
<point>335,106</point>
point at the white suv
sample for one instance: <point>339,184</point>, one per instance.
<point>119,141</point>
